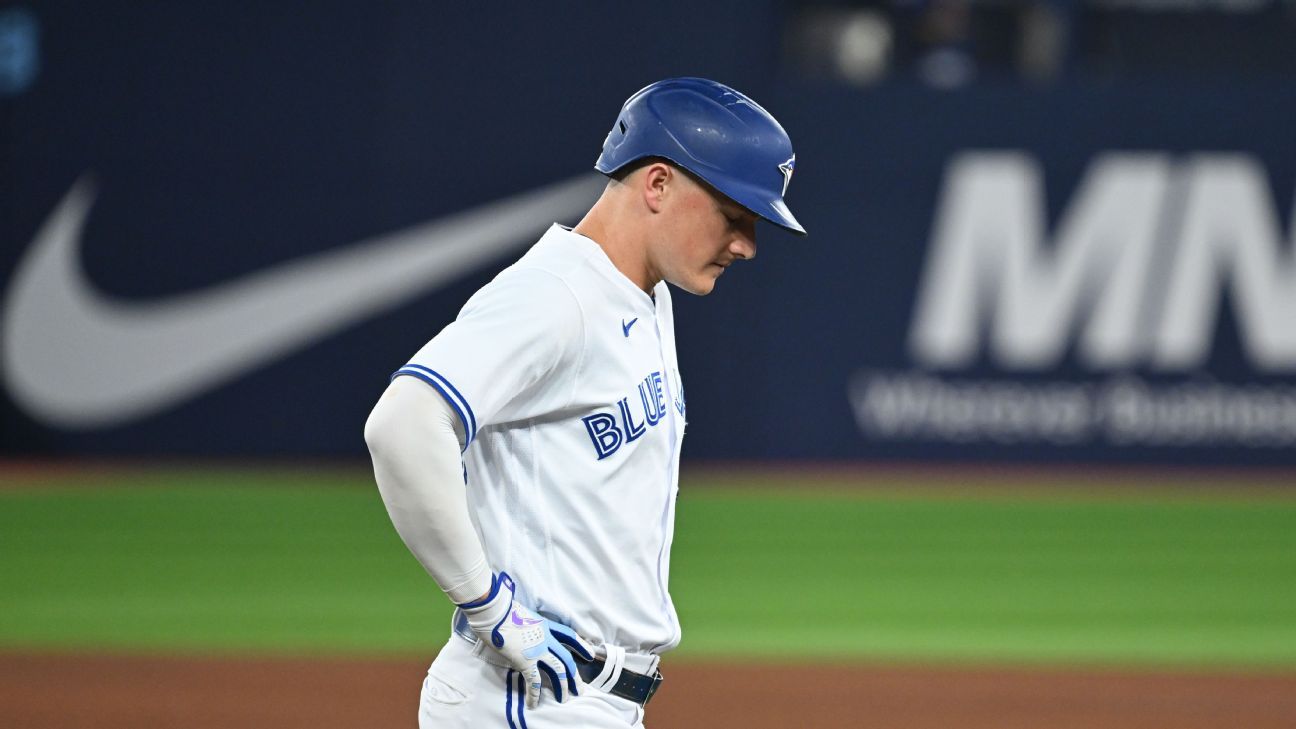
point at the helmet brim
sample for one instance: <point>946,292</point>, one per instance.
<point>749,197</point>
<point>777,213</point>
<point>757,201</point>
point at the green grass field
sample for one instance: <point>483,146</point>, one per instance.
<point>281,561</point>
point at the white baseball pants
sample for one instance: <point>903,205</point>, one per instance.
<point>463,691</point>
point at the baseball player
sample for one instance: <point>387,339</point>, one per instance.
<point>528,455</point>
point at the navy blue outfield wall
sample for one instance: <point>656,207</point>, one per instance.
<point>221,231</point>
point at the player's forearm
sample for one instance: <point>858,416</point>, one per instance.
<point>412,439</point>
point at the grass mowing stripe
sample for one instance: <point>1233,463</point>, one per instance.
<point>1193,581</point>
<point>266,565</point>
<point>292,562</point>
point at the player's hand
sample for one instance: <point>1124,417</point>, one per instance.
<point>533,645</point>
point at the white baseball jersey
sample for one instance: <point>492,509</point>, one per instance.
<point>564,374</point>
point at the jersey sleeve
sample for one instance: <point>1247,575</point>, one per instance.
<point>510,355</point>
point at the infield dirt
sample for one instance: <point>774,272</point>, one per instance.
<point>43,691</point>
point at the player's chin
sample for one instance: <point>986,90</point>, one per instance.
<point>700,283</point>
<point>703,284</point>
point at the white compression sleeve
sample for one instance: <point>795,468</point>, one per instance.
<point>414,439</point>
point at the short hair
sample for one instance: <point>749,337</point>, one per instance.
<point>630,168</point>
<point>619,176</point>
<point>621,173</point>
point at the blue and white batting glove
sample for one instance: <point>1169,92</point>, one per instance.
<point>532,645</point>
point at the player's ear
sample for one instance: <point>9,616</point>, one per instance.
<point>656,183</point>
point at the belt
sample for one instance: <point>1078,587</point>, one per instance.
<point>608,673</point>
<point>611,676</point>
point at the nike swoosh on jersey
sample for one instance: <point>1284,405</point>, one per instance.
<point>625,328</point>
<point>76,358</point>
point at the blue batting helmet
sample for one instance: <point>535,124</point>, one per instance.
<point>714,132</point>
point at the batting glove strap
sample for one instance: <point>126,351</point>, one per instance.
<point>486,614</point>
<point>531,644</point>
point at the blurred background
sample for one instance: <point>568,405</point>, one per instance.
<point>1013,428</point>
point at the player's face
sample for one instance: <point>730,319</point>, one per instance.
<point>708,232</point>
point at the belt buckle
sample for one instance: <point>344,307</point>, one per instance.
<point>652,690</point>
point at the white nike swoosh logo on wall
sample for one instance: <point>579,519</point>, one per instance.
<point>77,359</point>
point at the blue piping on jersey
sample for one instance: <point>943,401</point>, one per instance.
<point>451,395</point>
<point>472,417</point>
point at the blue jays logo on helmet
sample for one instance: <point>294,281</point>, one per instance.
<point>714,132</point>
<point>786,168</point>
